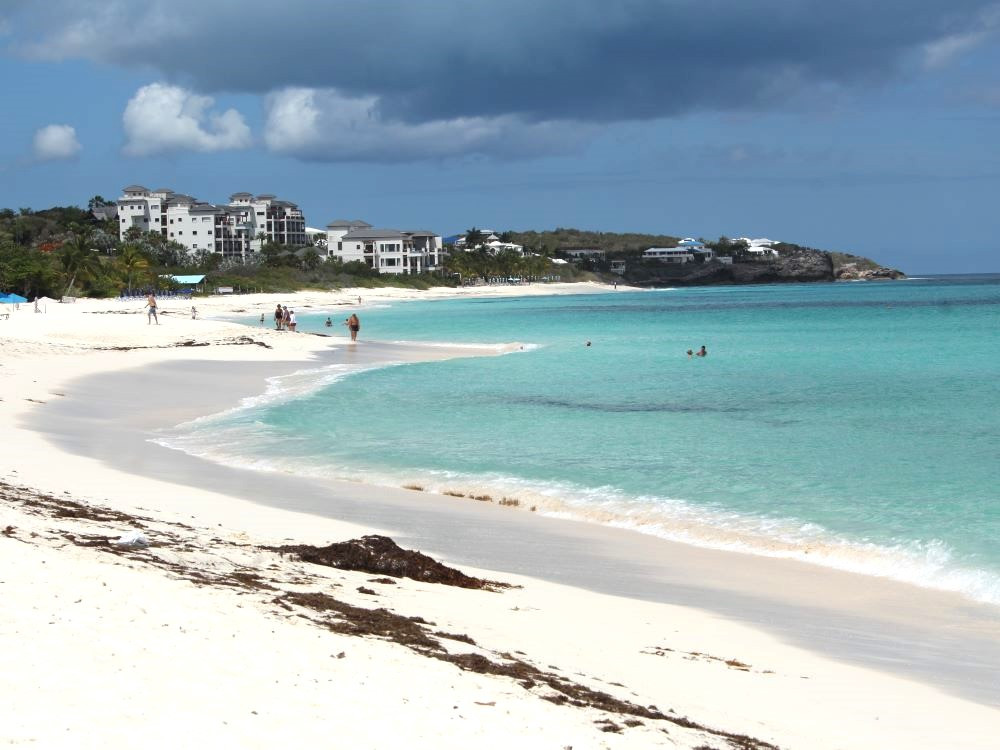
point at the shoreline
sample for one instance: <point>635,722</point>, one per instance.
<point>814,606</point>
<point>702,533</point>
<point>705,599</point>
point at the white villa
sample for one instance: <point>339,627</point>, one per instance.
<point>760,247</point>
<point>491,242</point>
<point>386,250</point>
<point>234,230</point>
<point>684,252</point>
<point>668,254</point>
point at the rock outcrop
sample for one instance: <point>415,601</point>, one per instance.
<point>851,272</point>
<point>793,267</point>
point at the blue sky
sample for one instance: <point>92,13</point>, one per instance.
<point>870,128</point>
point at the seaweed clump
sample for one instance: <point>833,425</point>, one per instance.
<point>380,555</point>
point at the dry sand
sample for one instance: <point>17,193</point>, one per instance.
<point>159,646</point>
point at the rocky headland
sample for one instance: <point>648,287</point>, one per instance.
<point>796,266</point>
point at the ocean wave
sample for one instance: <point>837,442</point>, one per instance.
<point>927,563</point>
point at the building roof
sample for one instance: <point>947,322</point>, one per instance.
<point>135,189</point>
<point>234,196</point>
<point>348,223</point>
<point>266,197</point>
<point>163,190</point>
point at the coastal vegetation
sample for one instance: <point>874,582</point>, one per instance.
<point>558,240</point>
<point>69,251</point>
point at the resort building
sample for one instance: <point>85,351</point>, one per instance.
<point>234,230</point>
<point>385,250</point>
<point>668,254</point>
<point>585,254</point>
<point>684,252</point>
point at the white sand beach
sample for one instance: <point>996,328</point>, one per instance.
<point>608,639</point>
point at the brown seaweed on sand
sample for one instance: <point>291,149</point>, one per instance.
<point>382,556</point>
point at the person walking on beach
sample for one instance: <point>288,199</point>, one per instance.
<point>151,309</point>
<point>262,320</point>
<point>353,325</point>
<point>284,317</point>
<point>292,322</point>
<point>279,316</point>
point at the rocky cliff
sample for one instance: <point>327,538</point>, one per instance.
<point>790,267</point>
<point>851,272</point>
<point>797,267</point>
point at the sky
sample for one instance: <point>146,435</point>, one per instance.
<point>871,128</point>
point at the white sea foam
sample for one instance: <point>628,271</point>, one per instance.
<point>927,563</point>
<point>278,389</point>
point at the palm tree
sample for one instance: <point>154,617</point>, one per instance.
<point>474,238</point>
<point>131,260</point>
<point>77,259</point>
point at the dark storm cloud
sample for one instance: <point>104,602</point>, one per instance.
<point>539,61</point>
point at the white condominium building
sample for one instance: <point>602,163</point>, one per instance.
<point>386,250</point>
<point>234,230</point>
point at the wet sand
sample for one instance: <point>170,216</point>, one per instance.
<point>939,638</point>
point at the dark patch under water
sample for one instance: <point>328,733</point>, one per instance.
<point>622,408</point>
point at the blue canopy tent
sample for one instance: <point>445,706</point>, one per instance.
<point>11,299</point>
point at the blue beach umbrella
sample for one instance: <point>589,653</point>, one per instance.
<point>11,299</point>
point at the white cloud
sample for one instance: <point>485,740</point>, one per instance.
<point>942,51</point>
<point>162,118</point>
<point>56,142</point>
<point>326,125</point>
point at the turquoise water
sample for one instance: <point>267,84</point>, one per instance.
<point>853,425</point>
